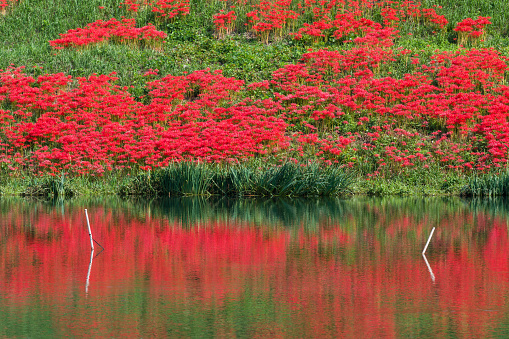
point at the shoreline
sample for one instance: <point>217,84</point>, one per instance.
<point>288,180</point>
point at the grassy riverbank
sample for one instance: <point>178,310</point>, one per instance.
<point>400,98</point>
<point>289,180</point>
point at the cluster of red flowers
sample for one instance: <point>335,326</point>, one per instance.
<point>460,94</point>
<point>460,103</point>
<point>395,12</point>
<point>471,30</point>
<point>337,19</point>
<point>330,107</point>
<point>89,125</point>
<point>224,22</point>
<point>165,9</point>
<point>271,16</point>
<point>124,32</point>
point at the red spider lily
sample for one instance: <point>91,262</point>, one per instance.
<point>470,30</point>
<point>169,9</point>
<point>271,17</point>
<point>329,85</point>
<point>224,23</point>
<point>331,106</point>
<point>340,19</point>
<point>97,126</point>
<point>165,9</point>
<point>112,30</point>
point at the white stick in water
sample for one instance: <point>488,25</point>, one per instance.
<point>89,231</point>
<point>429,267</point>
<point>89,270</point>
<point>429,239</point>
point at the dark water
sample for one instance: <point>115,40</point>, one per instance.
<point>248,268</point>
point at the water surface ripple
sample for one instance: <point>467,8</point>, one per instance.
<point>255,268</point>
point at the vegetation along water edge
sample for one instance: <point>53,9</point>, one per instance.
<point>250,97</point>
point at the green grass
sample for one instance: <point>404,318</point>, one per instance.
<point>26,30</point>
<point>488,185</point>
<point>418,181</point>
<point>251,179</point>
<point>63,186</point>
<point>194,179</point>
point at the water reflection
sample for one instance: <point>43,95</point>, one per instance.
<point>89,270</point>
<point>429,267</point>
<point>290,268</point>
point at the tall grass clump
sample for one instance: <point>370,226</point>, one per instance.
<point>489,185</point>
<point>232,181</point>
<point>301,181</point>
<point>49,187</point>
<point>193,178</point>
<point>287,180</point>
<point>335,181</point>
<point>185,178</point>
<point>280,181</point>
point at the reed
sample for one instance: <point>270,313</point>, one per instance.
<point>488,185</point>
<point>292,180</point>
<point>184,178</point>
<point>56,187</point>
<point>279,181</point>
<point>336,181</point>
<point>231,181</point>
<point>287,180</point>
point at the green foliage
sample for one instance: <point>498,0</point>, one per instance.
<point>232,181</point>
<point>184,178</point>
<point>48,186</point>
<point>287,180</point>
<point>415,182</point>
<point>488,185</point>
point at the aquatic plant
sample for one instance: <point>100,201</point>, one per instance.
<point>487,185</point>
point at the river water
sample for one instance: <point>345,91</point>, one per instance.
<point>197,268</point>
